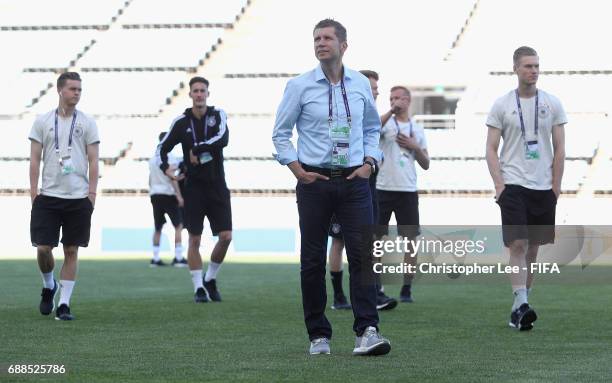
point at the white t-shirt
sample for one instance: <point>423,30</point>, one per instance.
<point>159,183</point>
<point>398,171</point>
<point>54,183</point>
<point>515,168</point>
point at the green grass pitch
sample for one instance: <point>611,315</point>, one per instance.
<point>136,324</point>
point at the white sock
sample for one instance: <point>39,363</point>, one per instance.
<point>48,282</point>
<point>178,251</point>
<point>196,278</point>
<point>156,253</point>
<point>65,292</point>
<point>211,272</point>
<point>520,297</point>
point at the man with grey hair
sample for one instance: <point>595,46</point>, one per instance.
<point>527,174</point>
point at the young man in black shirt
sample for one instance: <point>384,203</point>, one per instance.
<point>202,132</point>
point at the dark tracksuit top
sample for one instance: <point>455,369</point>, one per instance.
<point>212,136</point>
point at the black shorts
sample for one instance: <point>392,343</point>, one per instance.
<point>51,213</point>
<point>165,204</point>
<point>405,206</point>
<point>527,214</point>
<point>335,230</point>
<point>212,200</point>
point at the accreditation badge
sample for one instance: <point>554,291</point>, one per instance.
<point>340,133</point>
<point>532,151</point>
<point>66,165</point>
<point>340,154</point>
<point>340,136</point>
<point>205,157</point>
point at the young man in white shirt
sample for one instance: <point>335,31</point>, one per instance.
<point>67,142</point>
<point>527,174</point>
<point>403,143</point>
<point>166,198</point>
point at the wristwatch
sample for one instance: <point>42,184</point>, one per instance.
<point>372,165</point>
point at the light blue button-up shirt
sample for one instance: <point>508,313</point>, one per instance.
<point>305,104</point>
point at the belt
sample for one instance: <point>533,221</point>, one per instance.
<point>331,173</point>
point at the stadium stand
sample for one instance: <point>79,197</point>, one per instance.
<point>14,144</point>
<point>248,97</point>
<point>179,13</point>
<point>43,49</point>
<point>77,14</point>
<point>494,31</point>
<point>121,93</point>
<point>602,181</point>
<point>26,89</point>
<point>265,43</point>
<point>140,48</point>
<point>248,53</point>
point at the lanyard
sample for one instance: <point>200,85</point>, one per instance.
<point>56,138</point>
<point>398,127</point>
<point>195,140</point>
<point>344,98</point>
<point>520,110</point>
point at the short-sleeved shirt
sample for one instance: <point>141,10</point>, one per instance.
<point>160,183</point>
<point>398,171</point>
<point>54,183</point>
<point>515,168</point>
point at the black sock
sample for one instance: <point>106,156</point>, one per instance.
<point>406,289</point>
<point>336,278</point>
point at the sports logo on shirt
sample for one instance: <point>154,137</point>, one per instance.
<point>78,131</point>
<point>211,121</point>
<point>544,111</point>
<point>335,228</point>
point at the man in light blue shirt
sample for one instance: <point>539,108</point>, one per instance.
<point>338,128</point>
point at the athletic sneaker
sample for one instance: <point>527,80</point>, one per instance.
<point>47,303</point>
<point>63,313</point>
<point>340,302</point>
<point>371,343</point>
<point>406,294</point>
<point>211,288</point>
<point>384,302</point>
<point>319,346</point>
<point>523,318</point>
<point>177,263</point>
<point>157,263</point>
<point>200,295</point>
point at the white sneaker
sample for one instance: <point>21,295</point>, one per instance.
<point>319,346</point>
<point>371,343</point>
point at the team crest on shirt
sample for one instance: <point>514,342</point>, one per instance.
<point>78,131</point>
<point>211,121</point>
<point>544,112</point>
<point>335,228</point>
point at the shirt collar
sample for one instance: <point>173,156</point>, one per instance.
<point>319,75</point>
